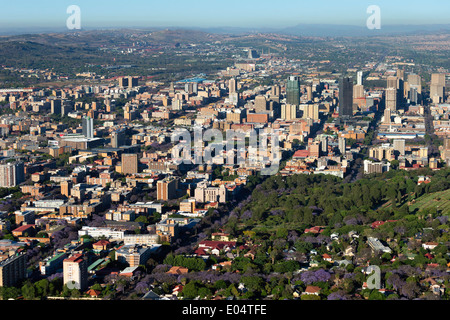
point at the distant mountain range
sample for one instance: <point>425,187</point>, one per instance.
<point>331,30</point>
<point>307,30</point>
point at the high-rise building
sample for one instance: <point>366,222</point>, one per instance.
<point>293,91</point>
<point>232,85</point>
<point>359,78</point>
<point>288,111</point>
<point>129,163</point>
<point>275,91</point>
<point>88,127</point>
<point>399,146</point>
<point>346,97</point>
<point>13,269</point>
<point>437,87</point>
<point>342,145</point>
<point>392,82</point>
<point>324,141</point>
<point>55,106</point>
<point>11,174</point>
<point>387,116</point>
<point>260,104</point>
<point>391,99</point>
<point>117,138</point>
<point>166,189</point>
<point>123,82</point>
<point>75,272</point>
<point>415,81</point>
<point>311,111</point>
<point>66,186</point>
<point>358,91</point>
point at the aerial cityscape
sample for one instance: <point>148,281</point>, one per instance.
<point>233,164</point>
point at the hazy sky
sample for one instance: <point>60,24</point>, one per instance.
<point>214,13</point>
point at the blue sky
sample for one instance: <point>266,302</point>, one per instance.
<point>215,13</point>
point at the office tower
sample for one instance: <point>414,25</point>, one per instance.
<point>88,127</point>
<point>437,87</point>
<point>189,87</point>
<point>359,78</point>
<point>391,99</point>
<point>172,88</point>
<point>342,145</point>
<point>123,82</point>
<point>293,91</point>
<point>387,116</point>
<point>401,74</point>
<point>288,111</point>
<point>133,82</point>
<point>358,91</point>
<point>392,82</point>
<point>232,85</point>
<point>414,80</point>
<point>413,95</point>
<point>275,91</point>
<point>55,106</point>
<point>260,104</point>
<point>346,97</point>
<point>252,54</point>
<point>11,174</point>
<point>75,272</point>
<point>13,269</point>
<point>118,138</point>
<point>166,189</point>
<point>129,163</point>
<point>399,146</point>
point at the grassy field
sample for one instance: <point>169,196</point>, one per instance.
<point>440,200</point>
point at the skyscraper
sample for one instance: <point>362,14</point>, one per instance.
<point>232,85</point>
<point>88,127</point>
<point>391,99</point>
<point>293,91</point>
<point>359,78</point>
<point>437,87</point>
<point>414,80</point>
<point>346,97</point>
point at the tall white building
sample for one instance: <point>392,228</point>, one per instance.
<point>359,78</point>
<point>75,273</point>
<point>88,127</point>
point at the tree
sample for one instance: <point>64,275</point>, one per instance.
<point>190,290</point>
<point>28,291</point>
